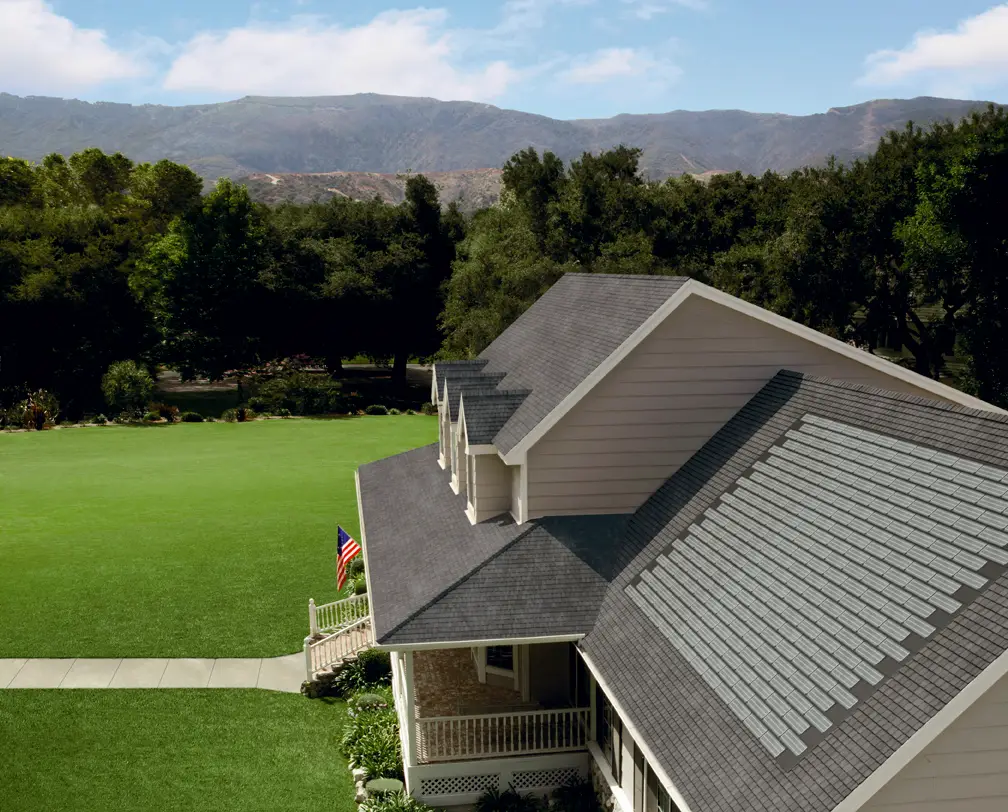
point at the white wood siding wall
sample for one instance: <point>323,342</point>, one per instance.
<point>965,769</point>
<point>491,486</point>
<point>516,492</point>
<point>664,401</point>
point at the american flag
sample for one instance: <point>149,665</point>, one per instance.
<point>346,548</point>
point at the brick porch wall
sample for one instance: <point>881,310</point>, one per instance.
<point>446,683</point>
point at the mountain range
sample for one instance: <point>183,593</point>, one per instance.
<point>302,148</point>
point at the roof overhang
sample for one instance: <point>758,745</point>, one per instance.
<point>694,288</point>
<point>505,641</point>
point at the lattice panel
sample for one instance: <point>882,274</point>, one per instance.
<point>527,779</point>
<point>458,784</point>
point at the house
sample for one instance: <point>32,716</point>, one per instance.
<point>710,557</point>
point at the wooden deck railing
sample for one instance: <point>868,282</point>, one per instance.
<point>321,654</point>
<point>447,738</point>
<point>332,617</point>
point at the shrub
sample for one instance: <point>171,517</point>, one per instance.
<point>493,800</point>
<point>259,404</point>
<point>394,411</point>
<point>397,802</point>
<point>376,408</point>
<point>282,411</point>
<point>356,566</point>
<point>99,420</point>
<point>360,585</point>
<point>127,386</point>
<point>371,739</point>
<point>410,411</point>
<point>244,413</point>
<point>428,408</point>
<point>368,702</point>
<point>191,417</point>
<point>300,393</point>
<point>152,417</point>
<point>229,416</point>
<point>370,668</point>
<point>35,412</point>
<point>577,795</point>
<point>169,413</point>
<point>377,666</point>
<point>381,750</point>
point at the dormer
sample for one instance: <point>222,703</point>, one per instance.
<point>601,390</point>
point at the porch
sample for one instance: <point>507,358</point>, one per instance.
<point>472,719</point>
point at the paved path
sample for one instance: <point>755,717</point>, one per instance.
<point>271,673</point>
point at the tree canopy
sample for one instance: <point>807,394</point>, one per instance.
<point>102,261</point>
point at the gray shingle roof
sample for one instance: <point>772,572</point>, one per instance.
<point>572,328</point>
<point>775,640</point>
<point>487,412</point>
<point>464,378</point>
<point>419,540</point>
<point>551,579</point>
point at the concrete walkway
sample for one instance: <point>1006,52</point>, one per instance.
<point>271,673</point>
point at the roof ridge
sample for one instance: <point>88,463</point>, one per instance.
<point>891,394</point>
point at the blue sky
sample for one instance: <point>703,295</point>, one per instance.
<point>562,58</point>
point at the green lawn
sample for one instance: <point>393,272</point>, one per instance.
<point>188,750</point>
<point>192,540</point>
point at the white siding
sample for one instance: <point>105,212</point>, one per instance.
<point>664,401</point>
<point>491,486</point>
<point>516,492</point>
<point>965,769</point>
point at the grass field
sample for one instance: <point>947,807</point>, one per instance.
<point>240,751</point>
<point>192,540</point>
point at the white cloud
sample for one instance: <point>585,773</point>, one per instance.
<point>974,55</point>
<point>44,53</point>
<point>410,53</point>
<point>610,64</point>
<point>648,9</point>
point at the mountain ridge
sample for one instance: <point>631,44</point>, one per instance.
<point>385,135</point>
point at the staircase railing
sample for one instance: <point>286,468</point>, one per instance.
<point>336,647</point>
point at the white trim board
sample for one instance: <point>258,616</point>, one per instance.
<point>506,641</point>
<point>694,288</point>
<point>363,544</point>
<point>639,739</point>
<point>930,731</point>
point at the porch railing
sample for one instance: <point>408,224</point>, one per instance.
<point>337,615</point>
<point>336,647</point>
<point>445,738</point>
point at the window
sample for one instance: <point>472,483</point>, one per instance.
<point>609,734</point>
<point>500,657</point>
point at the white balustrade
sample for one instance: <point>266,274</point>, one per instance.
<point>445,738</point>
<point>332,617</point>
<point>336,647</point>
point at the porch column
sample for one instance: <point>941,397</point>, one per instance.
<point>410,756</point>
<point>594,710</point>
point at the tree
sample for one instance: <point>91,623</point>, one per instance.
<point>18,184</point>
<point>956,248</point>
<point>127,386</point>
<point>202,280</point>
<point>168,188</point>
